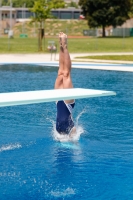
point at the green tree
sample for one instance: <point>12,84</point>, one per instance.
<point>106,12</point>
<point>56,4</point>
<point>42,11</point>
<point>131,13</point>
<point>19,3</point>
<point>4,2</point>
<point>73,4</point>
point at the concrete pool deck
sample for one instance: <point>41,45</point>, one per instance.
<point>48,60</point>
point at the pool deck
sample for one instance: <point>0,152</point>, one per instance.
<point>48,60</point>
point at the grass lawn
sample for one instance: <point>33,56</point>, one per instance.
<point>75,45</point>
<point>52,28</point>
<point>110,57</point>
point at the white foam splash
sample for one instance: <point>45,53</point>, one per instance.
<point>65,137</point>
<point>10,147</point>
<point>67,192</point>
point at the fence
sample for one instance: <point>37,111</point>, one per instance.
<point>121,32</point>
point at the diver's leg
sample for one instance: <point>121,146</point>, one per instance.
<point>59,79</point>
<point>67,81</point>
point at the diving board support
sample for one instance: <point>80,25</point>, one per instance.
<point>41,96</point>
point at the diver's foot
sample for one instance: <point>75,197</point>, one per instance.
<point>63,40</point>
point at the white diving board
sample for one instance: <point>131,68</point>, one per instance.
<point>41,96</point>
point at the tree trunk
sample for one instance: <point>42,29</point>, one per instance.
<point>40,37</point>
<point>103,33</point>
<point>44,35</point>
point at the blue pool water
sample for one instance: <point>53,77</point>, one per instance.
<point>33,165</point>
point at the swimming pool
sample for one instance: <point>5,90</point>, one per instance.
<point>35,166</point>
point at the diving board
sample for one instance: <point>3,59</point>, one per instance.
<point>41,96</point>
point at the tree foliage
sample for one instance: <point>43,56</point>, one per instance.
<point>30,3</point>
<point>19,3</point>
<point>73,4</point>
<point>42,11</point>
<point>131,13</point>
<point>106,12</point>
<point>57,4</point>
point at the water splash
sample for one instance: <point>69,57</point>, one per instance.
<point>63,193</point>
<point>67,138</point>
<point>10,147</point>
<point>80,114</point>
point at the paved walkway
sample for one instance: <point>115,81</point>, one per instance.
<point>78,63</point>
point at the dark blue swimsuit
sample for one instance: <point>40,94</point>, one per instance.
<point>64,121</point>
